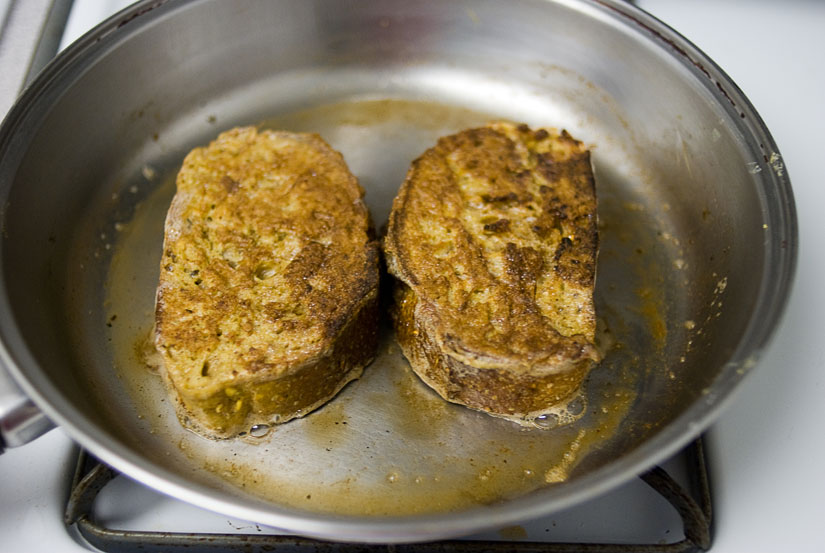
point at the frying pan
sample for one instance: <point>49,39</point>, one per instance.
<point>696,216</point>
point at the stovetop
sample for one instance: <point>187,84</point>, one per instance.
<point>765,452</point>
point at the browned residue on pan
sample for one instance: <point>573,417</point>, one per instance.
<point>388,445</point>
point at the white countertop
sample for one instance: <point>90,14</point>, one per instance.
<point>768,447</point>
<point>767,450</point>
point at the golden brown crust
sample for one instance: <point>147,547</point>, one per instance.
<point>267,301</point>
<point>494,234</point>
<point>237,408</point>
<point>505,393</point>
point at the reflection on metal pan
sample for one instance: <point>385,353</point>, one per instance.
<point>698,243</point>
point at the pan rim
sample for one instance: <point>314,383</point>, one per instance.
<point>780,266</point>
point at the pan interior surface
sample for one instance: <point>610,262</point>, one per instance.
<point>683,219</point>
<point>387,445</point>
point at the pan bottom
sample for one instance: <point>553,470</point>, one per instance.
<point>388,445</point>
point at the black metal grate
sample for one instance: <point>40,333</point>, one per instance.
<point>91,476</point>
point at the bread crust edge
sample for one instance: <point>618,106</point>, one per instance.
<point>235,411</point>
<point>520,397</point>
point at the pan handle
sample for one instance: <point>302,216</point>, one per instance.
<point>21,421</point>
<point>36,40</point>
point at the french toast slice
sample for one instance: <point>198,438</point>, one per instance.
<point>267,303</point>
<point>493,241</point>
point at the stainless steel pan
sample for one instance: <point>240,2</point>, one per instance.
<point>696,216</point>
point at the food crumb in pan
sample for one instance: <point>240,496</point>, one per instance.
<point>513,533</point>
<point>148,173</point>
<point>776,164</point>
<point>634,206</point>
